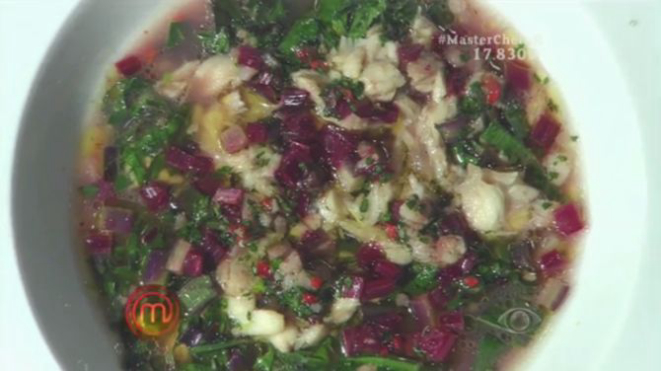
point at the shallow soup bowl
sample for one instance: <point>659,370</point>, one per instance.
<point>99,32</point>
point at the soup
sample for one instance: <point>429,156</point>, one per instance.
<point>371,185</point>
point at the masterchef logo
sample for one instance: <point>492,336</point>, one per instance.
<point>152,311</point>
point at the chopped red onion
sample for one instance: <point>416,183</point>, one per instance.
<point>257,133</point>
<point>229,196</point>
<point>568,220</point>
<point>155,266</point>
<point>118,220</point>
<point>129,66</point>
<point>99,243</point>
<point>213,249</point>
<point>295,97</point>
<point>552,263</point>
<point>233,139</point>
<point>208,185</point>
<point>421,307</point>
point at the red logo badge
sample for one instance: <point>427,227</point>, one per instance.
<point>152,311</point>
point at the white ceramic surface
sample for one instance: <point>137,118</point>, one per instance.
<point>603,56</point>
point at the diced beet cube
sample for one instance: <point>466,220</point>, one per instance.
<point>299,127</point>
<point>193,263</point>
<point>339,145</point>
<point>250,57</point>
<point>457,78</point>
<point>408,53</point>
<point>257,133</point>
<point>386,269</point>
<point>155,196</point>
<point>518,76</point>
<point>435,344</point>
<point>544,134</point>
<point>212,248</point>
<point>439,297</point>
<point>568,220</point>
<point>289,172</point>
<point>360,340</point>
<point>208,185</point>
<point>99,244</point>
<point>378,288</point>
<point>387,322</point>
<point>188,163</point>
<point>452,321</point>
<point>129,66</point>
<point>368,255</point>
<point>552,263</point>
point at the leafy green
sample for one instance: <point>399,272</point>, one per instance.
<point>488,352</point>
<point>424,279</point>
<point>176,34</point>
<point>196,293</point>
<point>498,137</point>
<point>516,118</point>
<point>265,361</point>
<point>398,17</point>
<point>210,348</point>
<point>304,32</point>
<point>364,15</point>
<point>215,42</point>
<point>263,20</point>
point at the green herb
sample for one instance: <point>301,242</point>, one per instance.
<point>488,352</point>
<point>176,34</point>
<point>574,138</point>
<point>364,15</point>
<point>413,203</point>
<point>201,349</point>
<point>391,364</point>
<point>439,12</point>
<point>474,102</point>
<point>304,32</point>
<point>547,205</point>
<point>261,161</point>
<point>89,191</point>
<point>424,279</point>
<point>552,106</point>
<point>293,299</point>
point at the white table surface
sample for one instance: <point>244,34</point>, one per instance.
<point>28,26</point>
